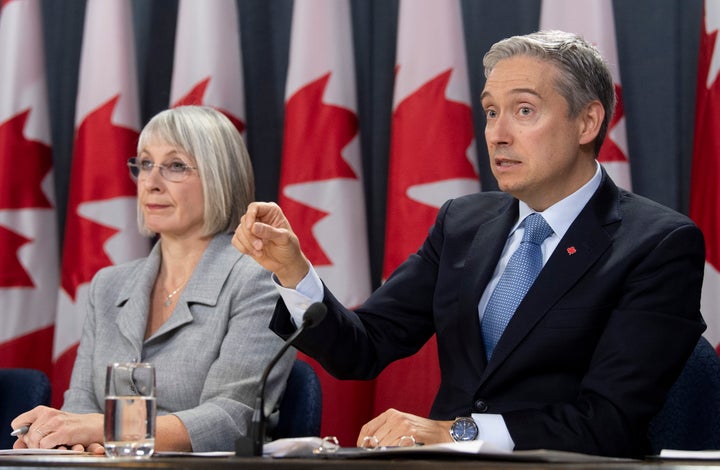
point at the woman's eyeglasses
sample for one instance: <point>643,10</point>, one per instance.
<point>175,171</point>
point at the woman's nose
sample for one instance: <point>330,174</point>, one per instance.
<point>152,177</point>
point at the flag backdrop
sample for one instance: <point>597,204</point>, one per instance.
<point>705,180</point>
<point>432,159</point>
<point>594,20</point>
<point>28,228</point>
<point>101,223</point>
<point>207,69</point>
<point>321,187</point>
<point>100,228</point>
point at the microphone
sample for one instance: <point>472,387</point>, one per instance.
<point>311,318</point>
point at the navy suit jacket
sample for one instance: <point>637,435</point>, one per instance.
<point>588,357</point>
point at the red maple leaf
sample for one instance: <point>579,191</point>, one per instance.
<point>23,166</point>
<point>610,152</point>
<point>705,177</point>
<point>13,273</point>
<point>315,135</point>
<point>430,138</point>
<point>32,350</point>
<point>196,96</point>
<point>99,172</point>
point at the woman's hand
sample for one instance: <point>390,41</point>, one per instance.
<point>50,428</point>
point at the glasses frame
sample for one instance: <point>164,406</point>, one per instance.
<point>174,177</point>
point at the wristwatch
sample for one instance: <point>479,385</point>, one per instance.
<point>464,429</point>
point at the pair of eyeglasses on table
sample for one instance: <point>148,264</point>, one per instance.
<point>330,444</point>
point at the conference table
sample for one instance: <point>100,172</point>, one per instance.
<point>409,461</point>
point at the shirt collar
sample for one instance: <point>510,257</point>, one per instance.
<point>562,214</point>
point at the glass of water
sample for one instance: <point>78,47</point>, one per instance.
<point>130,409</point>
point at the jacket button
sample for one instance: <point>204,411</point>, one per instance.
<point>481,406</point>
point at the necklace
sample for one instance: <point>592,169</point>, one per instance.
<point>169,298</point>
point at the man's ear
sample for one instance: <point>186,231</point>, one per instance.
<point>590,120</point>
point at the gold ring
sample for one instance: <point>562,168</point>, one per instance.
<point>40,432</point>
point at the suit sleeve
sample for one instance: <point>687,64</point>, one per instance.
<point>394,322</point>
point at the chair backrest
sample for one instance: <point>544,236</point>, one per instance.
<point>20,391</point>
<point>690,418</point>
<point>301,405</point>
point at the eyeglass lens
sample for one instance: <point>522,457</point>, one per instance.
<point>176,171</point>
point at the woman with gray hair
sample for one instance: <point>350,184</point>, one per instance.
<point>195,307</point>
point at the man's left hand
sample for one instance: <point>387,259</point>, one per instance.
<point>392,425</point>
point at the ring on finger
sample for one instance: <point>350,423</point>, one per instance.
<point>37,430</point>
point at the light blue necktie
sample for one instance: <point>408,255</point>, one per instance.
<point>522,269</point>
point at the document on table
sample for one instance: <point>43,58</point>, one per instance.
<point>690,454</point>
<point>41,452</point>
<point>306,447</point>
<point>217,453</point>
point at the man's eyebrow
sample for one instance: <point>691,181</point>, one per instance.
<point>514,91</point>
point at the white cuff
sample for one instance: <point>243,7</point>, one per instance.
<point>493,430</point>
<point>308,291</point>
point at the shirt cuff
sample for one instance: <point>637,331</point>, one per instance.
<point>493,430</point>
<point>308,291</point>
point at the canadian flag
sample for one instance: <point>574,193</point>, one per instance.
<point>432,159</point>
<point>207,69</point>
<point>101,223</point>
<point>705,178</point>
<point>28,228</point>
<point>594,21</point>
<point>321,185</point>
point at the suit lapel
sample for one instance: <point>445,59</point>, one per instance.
<point>584,242</point>
<point>490,238</point>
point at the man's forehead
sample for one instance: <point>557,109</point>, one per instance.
<point>518,75</point>
<point>512,87</point>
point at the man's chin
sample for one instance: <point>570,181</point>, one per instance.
<point>507,186</point>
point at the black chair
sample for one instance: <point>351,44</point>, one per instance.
<point>690,418</point>
<point>20,391</point>
<point>301,405</point>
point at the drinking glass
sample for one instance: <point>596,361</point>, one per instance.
<point>130,409</point>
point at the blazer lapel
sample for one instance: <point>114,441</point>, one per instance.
<point>134,300</point>
<point>205,284</point>
<point>584,242</point>
<point>490,239</point>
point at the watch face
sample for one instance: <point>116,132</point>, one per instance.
<point>464,429</point>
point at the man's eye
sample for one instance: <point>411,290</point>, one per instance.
<point>177,167</point>
<point>145,164</point>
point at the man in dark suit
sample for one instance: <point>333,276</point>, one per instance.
<point>605,328</point>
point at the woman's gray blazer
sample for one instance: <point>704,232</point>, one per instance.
<point>209,355</point>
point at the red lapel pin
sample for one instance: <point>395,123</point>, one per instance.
<point>571,250</point>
